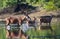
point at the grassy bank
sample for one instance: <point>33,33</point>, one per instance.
<point>38,34</point>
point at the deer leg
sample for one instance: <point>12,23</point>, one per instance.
<point>50,27</point>
<point>41,23</point>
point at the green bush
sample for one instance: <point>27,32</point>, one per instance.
<point>58,4</point>
<point>47,4</point>
<point>50,6</point>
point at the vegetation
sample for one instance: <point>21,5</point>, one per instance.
<point>38,34</point>
<point>45,34</point>
<point>46,4</point>
<point>2,32</point>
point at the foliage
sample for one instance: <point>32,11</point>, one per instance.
<point>57,3</point>
<point>47,4</point>
<point>50,6</point>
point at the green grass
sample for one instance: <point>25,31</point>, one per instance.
<point>34,34</point>
<point>37,33</point>
<point>2,33</point>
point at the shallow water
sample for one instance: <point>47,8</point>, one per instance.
<point>55,25</point>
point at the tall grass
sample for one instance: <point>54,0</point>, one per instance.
<point>2,33</point>
<point>37,34</point>
<point>45,34</point>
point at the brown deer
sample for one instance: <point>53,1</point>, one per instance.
<point>12,20</point>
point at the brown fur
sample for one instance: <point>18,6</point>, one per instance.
<point>14,20</point>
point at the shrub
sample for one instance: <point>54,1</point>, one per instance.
<point>50,6</point>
